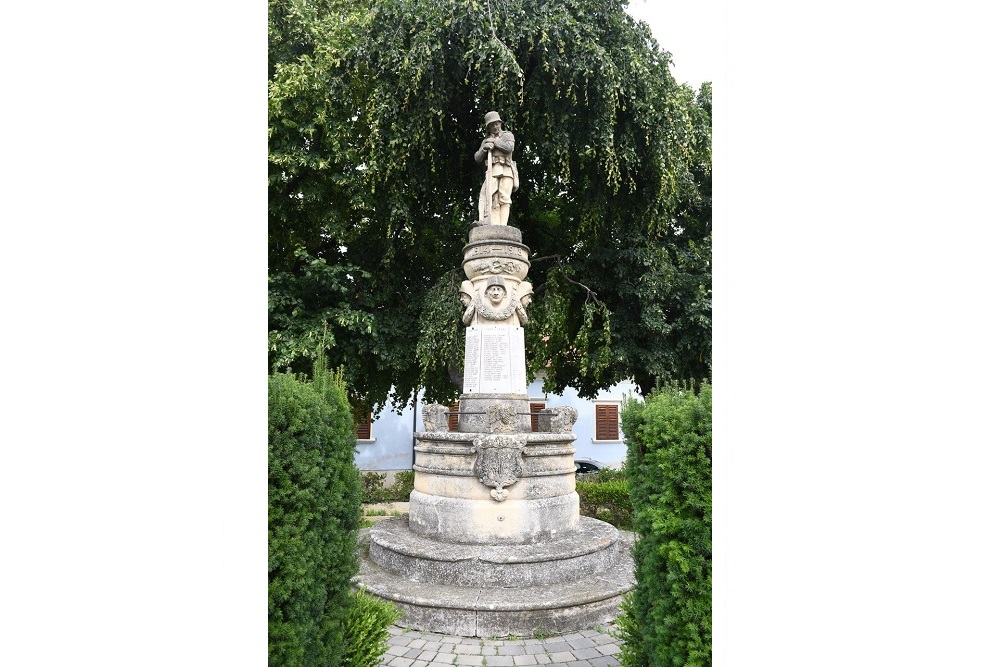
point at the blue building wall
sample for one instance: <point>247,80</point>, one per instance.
<point>391,444</point>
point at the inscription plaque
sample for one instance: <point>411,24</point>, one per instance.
<point>494,360</point>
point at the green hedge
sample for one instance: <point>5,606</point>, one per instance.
<point>667,618</point>
<point>314,509</point>
<point>373,489</point>
<point>604,495</point>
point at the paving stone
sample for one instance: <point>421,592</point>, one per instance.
<point>471,640</point>
<point>543,659</point>
<point>578,663</point>
<point>582,642</point>
<point>534,650</point>
<point>419,663</point>
<point>532,642</point>
<point>605,661</point>
<point>418,643</point>
<point>520,660</point>
<point>413,653</point>
<point>432,646</point>
<point>468,649</point>
<point>562,656</point>
<point>429,656</point>
<point>399,640</point>
<point>396,651</point>
<point>511,649</point>
<point>499,661</point>
<point>609,649</point>
<point>442,664</point>
<point>400,662</point>
<point>589,633</point>
<point>469,660</point>
<point>572,635</point>
<point>604,639</point>
<point>585,653</point>
<point>556,646</point>
<point>395,630</point>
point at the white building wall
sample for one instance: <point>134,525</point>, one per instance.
<point>391,444</point>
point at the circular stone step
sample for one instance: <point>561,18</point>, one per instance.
<point>590,547</point>
<point>519,610</point>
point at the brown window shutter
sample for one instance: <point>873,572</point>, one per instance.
<point>364,421</point>
<point>607,422</point>
<point>535,408</point>
<point>453,417</point>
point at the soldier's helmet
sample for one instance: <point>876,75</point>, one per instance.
<point>495,280</point>
<point>491,117</point>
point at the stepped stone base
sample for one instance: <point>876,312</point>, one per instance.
<point>562,585</point>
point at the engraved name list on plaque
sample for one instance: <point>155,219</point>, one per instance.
<point>494,360</point>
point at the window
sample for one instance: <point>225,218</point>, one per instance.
<point>453,417</point>
<point>364,422</point>
<point>607,422</point>
<point>535,409</point>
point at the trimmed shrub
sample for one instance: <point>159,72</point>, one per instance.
<point>367,638</point>
<point>314,508</point>
<point>399,492</point>
<point>604,495</point>
<point>373,487</point>
<point>667,618</point>
<point>374,490</point>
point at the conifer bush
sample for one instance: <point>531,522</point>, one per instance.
<point>367,638</point>
<point>314,509</point>
<point>667,619</point>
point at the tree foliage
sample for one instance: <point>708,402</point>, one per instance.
<point>375,110</point>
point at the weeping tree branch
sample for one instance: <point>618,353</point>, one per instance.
<point>591,294</point>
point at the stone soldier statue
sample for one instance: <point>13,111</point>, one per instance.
<point>497,151</point>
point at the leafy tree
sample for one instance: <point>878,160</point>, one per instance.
<point>375,110</point>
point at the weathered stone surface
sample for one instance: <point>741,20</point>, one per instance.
<point>479,611</point>
<point>559,419</point>
<point>515,521</point>
<point>435,417</point>
<point>495,233</point>
<point>473,418</point>
<point>589,548</point>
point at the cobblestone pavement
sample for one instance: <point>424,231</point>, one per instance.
<point>587,648</point>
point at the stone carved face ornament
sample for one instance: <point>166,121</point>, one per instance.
<point>495,293</point>
<point>491,302</point>
<point>499,462</point>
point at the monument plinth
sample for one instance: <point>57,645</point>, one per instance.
<point>494,544</point>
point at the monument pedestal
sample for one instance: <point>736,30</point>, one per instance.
<point>494,544</point>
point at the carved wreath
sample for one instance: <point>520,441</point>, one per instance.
<point>488,312</point>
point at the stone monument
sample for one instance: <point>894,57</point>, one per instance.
<point>494,544</point>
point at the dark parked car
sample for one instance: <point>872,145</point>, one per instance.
<point>586,466</point>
